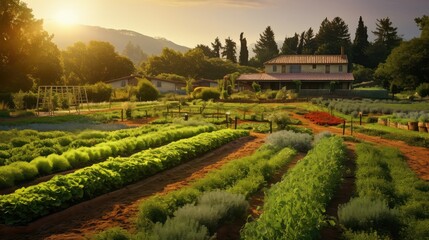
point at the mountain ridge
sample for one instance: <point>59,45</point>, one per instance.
<point>65,36</point>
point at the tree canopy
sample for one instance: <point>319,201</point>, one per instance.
<point>97,61</point>
<point>266,47</point>
<point>27,54</point>
<point>229,50</point>
<point>332,36</point>
<point>407,65</point>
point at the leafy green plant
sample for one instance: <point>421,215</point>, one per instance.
<point>294,208</point>
<point>38,200</point>
<point>365,213</point>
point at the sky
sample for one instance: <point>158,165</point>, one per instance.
<point>192,22</point>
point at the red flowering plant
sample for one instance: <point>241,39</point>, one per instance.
<point>323,118</point>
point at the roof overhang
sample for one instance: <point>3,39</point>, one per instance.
<point>266,77</point>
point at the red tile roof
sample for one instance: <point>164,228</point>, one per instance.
<point>309,59</point>
<point>296,76</point>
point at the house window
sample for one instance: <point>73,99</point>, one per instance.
<point>283,68</point>
<point>314,66</point>
<point>340,68</point>
<point>158,84</point>
<point>274,68</point>
<point>327,69</point>
<point>295,68</point>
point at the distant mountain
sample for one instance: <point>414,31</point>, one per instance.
<point>65,36</point>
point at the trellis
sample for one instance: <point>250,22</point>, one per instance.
<point>74,95</point>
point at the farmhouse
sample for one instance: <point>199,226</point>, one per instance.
<point>162,85</point>
<point>123,81</point>
<point>311,74</point>
<point>166,86</point>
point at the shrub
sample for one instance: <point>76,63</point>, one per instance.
<point>363,213</point>
<point>210,93</point>
<point>423,90</point>
<point>282,139</point>
<point>99,92</point>
<point>212,207</point>
<point>152,211</point>
<point>281,119</point>
<point>115,233</point>
<point>179,229</point>
<point>256,87</point>
<point>281,94</point>
<point>146,91</point>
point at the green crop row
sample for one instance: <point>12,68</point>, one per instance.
<point>75,158</point>
<point>391,202</point>
<point>62,191</point>
<point>367,106</point>
<point>242,176</point>
<point>27,147</point>
<point>294,208</point>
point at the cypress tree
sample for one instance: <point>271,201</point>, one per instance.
<point>360,44</point>
<point>244,53</point>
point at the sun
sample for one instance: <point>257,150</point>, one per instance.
<point>66,16</point>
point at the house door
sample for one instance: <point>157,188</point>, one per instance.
<point>327,69</point>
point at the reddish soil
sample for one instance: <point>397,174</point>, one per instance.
<point>119,208</point>
<point>417,157</point>
<point>342,195</point>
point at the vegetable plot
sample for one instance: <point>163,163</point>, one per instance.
<point>294,208</point>
<point>75,158</point>
<point>28,204</point>
<point>392,202</point>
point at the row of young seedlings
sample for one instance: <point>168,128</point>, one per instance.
<point>196,211</point>
<point>391,202</point>
<point>60,142</point>
<point>62,191</point>
<point>294,208</point>
<point>83,156</point>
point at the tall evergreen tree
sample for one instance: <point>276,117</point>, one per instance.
<point>290,45</point>
<point>332,36</point>
<point>360,44</point>
<point>309,46</point>
<point>301,43</point>
<point>244,52</point>
<point>266,47</point>
<point>386,34</point>
<point>229,50</point>
<point>386,39</point>
<point>217,47</point>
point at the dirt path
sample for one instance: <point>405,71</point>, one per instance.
<point>417,157</point>
<point>119,208</point>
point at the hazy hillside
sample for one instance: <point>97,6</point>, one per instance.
<point>65,36</point>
